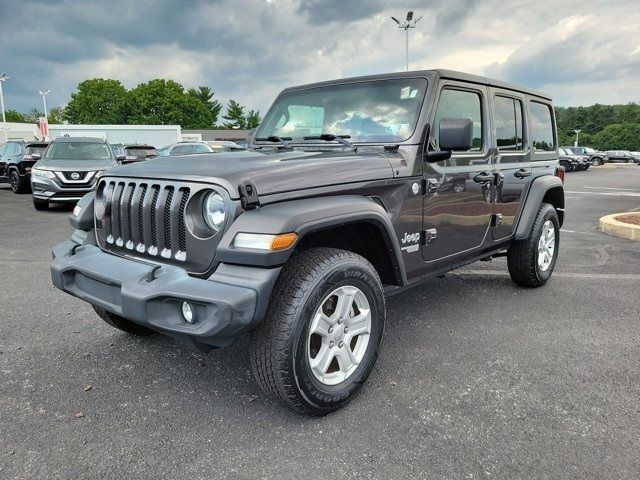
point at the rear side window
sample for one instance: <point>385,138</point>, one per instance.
<point>508,123</point>
<point>541,127</point>
<point>460,104</point>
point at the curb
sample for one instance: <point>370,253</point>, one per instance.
<point>611,226</point>
<point>616,165</point>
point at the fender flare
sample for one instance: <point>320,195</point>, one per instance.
<point>537,191</point>
<point>303,217</point>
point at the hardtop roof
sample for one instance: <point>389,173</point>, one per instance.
<point>431,74</point>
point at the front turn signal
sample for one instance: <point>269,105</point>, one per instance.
<point>260,241</point>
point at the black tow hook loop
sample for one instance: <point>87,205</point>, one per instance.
<point>151,276</point>
<point>249,196</point>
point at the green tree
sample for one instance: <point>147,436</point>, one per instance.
<point>253,119</point>
<point>618,136</point>
<point>55,115</point>
<point>205,95</point>
<point>235,117</point>
<point>13,116</point>
<point>98,101</point>
<point>165,102</point>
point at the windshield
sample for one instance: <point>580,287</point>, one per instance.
<point>377,111</point>
<point>78,151</point>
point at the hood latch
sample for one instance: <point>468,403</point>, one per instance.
<point>249,196</point>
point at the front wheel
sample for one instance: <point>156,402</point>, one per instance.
<point>320,337</point>
<point>18,185</point>
<point>597,161</point>
<point>531,261</point>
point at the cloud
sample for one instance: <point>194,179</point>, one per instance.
<point>249,50</point>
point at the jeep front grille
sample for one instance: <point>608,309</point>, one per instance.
<point>154,219</point>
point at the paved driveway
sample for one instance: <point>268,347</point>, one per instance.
<point>477,378</point>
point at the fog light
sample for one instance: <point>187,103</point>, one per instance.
<point>187,312</point>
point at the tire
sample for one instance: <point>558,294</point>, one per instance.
<point>567,166</point>
<point>631,160</point>
<point>40,204</point>
<point>282,348</point>
<point>18,185</point>
<point>597,161</point>
<point>123,324</point>
<point>523,256</point>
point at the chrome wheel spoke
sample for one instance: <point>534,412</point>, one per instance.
<point>320,364</point>
<point>546,245</point>
<point>342,319</point>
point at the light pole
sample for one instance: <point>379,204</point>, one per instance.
<point>3,78</point>
<point>44,101</point>
<point>577,132</point>
<point>406,25</point>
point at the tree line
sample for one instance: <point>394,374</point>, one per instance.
<point>603,127</point>
<point>166,102</point>
<point>100,101</point>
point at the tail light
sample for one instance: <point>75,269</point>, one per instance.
<point>560,172</point>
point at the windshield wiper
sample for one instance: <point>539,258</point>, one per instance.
<point>274,139</point>
<point>328,137</point>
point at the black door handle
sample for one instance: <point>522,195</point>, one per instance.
<point>483,177</point>
<point>522,173</point>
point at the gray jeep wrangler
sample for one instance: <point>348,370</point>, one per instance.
<point>351,190</point>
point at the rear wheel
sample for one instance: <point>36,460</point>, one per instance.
<point>18,184</point>
<point>123,324</point>
<point>531,261</point>
<point>321,335</point>
<point>40,204</point>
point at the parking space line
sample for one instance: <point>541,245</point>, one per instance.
<point>624,193</point>
<point>595,276</point>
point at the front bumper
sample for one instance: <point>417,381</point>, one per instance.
<point>226,304</point>
<point>48,189</point>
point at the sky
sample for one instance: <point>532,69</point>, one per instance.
<point>581,52</point>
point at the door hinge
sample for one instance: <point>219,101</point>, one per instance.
<point>249,196</point>
<point>429,186</point>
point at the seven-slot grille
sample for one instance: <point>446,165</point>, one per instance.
<point>145,217</point>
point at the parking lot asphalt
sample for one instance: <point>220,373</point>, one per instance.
<point>477,378</point>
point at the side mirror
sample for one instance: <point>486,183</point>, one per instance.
<point>35,156</point>
<point>456,134</point>
<point>121,158</point>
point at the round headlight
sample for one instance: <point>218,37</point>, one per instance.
<point>214,212</point>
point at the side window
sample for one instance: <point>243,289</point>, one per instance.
<point>180,150</point>
<point>541,127</point>
<point>13,149</point>
<point>2,149</point>
<point>508,122</point>
<point>460,104</point>
<point>200,149</point>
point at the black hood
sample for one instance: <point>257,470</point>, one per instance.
<point>272,172</point>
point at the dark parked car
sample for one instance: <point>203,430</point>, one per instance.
<point>69,168</point>
<point>16,162</point>
<point>595,157</point>
<point>570,161</point>
<point>337,203</point>
<point>619,156</point>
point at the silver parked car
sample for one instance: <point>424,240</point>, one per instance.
<point>184,148</point>
<point>69,168</point>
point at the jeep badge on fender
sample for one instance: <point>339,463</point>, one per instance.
<point>350,190</point>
